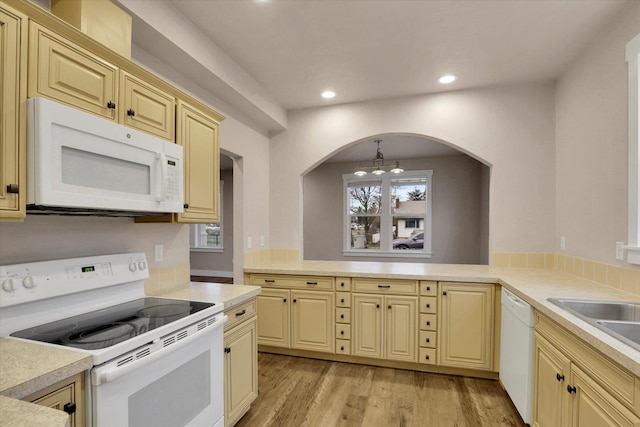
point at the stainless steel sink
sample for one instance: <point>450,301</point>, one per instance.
<point>621,320</point>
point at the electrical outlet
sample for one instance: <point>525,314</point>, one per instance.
<point>620,250</point>
<point>261,241</point>
<point>249,243</point>
<point>159,253</point>
<point>563,243</point>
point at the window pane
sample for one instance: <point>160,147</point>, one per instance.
<point>365,198</point>
<point>210,236</point>
<point>409,208</point>
<point>365,232</point>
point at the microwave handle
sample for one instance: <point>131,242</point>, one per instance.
<point>162,194</point>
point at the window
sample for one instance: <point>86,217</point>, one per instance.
<point>208,237</point>
<point>633,58</point>
<point>399,227</point>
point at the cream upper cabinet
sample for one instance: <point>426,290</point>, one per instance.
<point>552,371</point>
<point>313,320</point>
<point>197,132</point>
<point>61,70</point>
<point>146,107</point>
<point>273,317</point>
<point>240,369</point>
<point>13,65</point>
<point>466,325</point>
<point>385,326</point>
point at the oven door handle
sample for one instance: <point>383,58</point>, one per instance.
<point>109,374</point>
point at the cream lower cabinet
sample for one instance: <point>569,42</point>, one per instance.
<point>240,364</point>
<point>13,65</point>
<point>67,396</point>
<point>565,395</point>
<point>297,319</point>
<point>385,326</point>
<point>466,325</point>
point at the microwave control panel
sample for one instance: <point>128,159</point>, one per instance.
<point>174,181</point>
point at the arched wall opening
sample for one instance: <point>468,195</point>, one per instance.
<point>459,200</point>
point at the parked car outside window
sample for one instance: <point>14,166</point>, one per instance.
<point>415,242</point>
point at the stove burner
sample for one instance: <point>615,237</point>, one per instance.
<point>165,310</point>
<point>46,330</point>
<point>99,336</point>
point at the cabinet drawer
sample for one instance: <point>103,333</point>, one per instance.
<point>343,283</point>
<point>428,322</point>
<point>343,315</point>
<point>428,304</point>
<point>387,286</point>
<point>294,282</point>
<point>428,288</point>
<point>343,331</point>
<point>343,346</point>
<point>343,299</point>
<point>240,313</point>
<point>428,339</point>
<point>427,356</point>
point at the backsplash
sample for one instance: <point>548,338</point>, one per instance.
<point>625,279</point>
<point>162,280</point>
<point>271,255</point>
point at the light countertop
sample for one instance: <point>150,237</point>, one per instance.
<point>229,295</point>
<point>532,285</point>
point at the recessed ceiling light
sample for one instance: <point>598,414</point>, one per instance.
<point>449,78</point>
<point>328,94</point>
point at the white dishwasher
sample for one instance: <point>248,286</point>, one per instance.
<point>516,353</point>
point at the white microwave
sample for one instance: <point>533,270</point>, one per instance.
<point>79,163</point>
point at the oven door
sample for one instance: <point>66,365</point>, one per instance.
<point>180,385</point>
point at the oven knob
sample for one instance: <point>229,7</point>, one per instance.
<point>8,285</point>
<point>142,265</point>
<point>28,282</point>
<point>132,266</point>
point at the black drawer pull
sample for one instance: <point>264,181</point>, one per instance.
<point>342,300</point>
<point>341,332</point>
<point>312,283</point>
<point>227,350</point>
<point>186,206</point>
<point>428,305</point>
<point>384,286</point>
<point>428,288</point>
<point>13,188</point>
<point>571,389</point>
<point>269,281</point>
<point>444,293</point>
<point>241,313</point>
<point>111,105</point>
<point>284,300</point>
<point>130,112</point>
<point>559,377</point>
<point>342,316</point>
<point>389,307</point>
<point>341,348</point>
<point>69,408</point>
<point>377,305</point>
<point>427,357</point>
<point>428,340</point>
<point>428,323</point>
<point>295,300</point>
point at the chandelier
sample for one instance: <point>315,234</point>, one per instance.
<point>377,166</point>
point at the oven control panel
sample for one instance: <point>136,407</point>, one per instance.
<point>22,283</point>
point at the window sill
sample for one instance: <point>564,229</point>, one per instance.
<point>633,254</point>
<point>207,249</point>
<point>381,254</point>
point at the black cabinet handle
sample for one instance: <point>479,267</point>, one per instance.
<point>341,332</point>
<point>13,188</point>
<point>111,105</point>
<point>427,358</point>
<point>428,340</point>
<point>444,293</point>
<point>186,206</point>
<point>377,305</point>
<point>428,323</point>
<point>560,377</point>
<point>269,281</point>
<point>284,300</point>
<point>342,300</point>
<point>130,112</point>
<point>428,288</point>
<point>428,305</point>
<point>342,284</point>
<point>384,286</point>
<point>342,316</point>
<point>295,300</point>
<point>389,307</point>
<point>341,348</point>
<point>69,408</point>
<point>241,313</point>
<point>312,283</point>
<point>227,350</point>
<point>571,389</point>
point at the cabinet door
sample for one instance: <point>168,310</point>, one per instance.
<point>273,317</point>
<point>146,108</point>
<point>367,325</point>
<point>551,373</point>
<point>313,324</point>
<point>401,328</point>
<point>593,406</point>
<point>465,336</point>
<point>67,396</point>
<point>13,65</point>
<point>198,134</point>
<point>65,72</point>
<point>241,370</point>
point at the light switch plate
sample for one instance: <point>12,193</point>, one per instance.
<point>159,253</point>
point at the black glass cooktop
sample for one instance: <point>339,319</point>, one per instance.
<point>109,326</point>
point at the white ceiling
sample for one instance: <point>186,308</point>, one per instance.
<point>264,58</point>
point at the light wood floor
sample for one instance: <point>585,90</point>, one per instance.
<point>296,392</point>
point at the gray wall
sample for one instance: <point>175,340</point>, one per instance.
<point>220,261</point>
<point>460,211</point>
